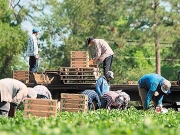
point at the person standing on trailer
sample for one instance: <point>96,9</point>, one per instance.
<point>153,87</point>
<point>103,53</point>
<point>12,92</point>
<point>32,51</point>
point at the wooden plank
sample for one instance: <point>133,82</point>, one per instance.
<point>41,101</point>
<point>21,78</point>
<point>28,114</point>
<point>74,106</point>
<point>21,71</point>
<point>74,101</point>
<point>29,107</point>
<point>74,96</point>
<point>73,110</point>
<point>79,65</point>
<point>79,59</point>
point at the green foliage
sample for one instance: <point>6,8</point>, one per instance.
<point>129,122</point>
<point>12,41</point>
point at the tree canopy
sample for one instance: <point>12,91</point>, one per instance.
<point>143,34</point>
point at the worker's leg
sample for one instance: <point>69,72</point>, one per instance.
<point>33,63</point>
<point>4,108</point>
<point>107,64</point>
<point>103,103</point>
<point>142,94</point>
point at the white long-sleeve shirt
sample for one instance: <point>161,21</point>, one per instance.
<point>12,90</point>
<point>32,49</point>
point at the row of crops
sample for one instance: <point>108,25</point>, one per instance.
<point>99,122</point>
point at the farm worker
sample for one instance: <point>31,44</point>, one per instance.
<point>126,99</point>
<point>42,92</point>
<point>12,92</point>
<point>153,87</point>
<point>112,100</point>
<point>32,51</point>
<point>103,53</point>
<point>92,97</point>
<point>103,83</point>
<point>31,93</point>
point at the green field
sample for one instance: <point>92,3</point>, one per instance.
<point>99,122</point>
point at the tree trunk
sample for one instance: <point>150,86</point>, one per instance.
<point>156,37</point>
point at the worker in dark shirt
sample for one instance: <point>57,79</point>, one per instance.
<point>92,97</point>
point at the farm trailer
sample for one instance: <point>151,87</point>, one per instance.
<point>61,82</point>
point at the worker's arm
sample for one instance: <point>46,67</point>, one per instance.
<point>152,89</point>
<point>109,103</point>
<point>21,93</point>
<point>98,101</point>
<point>98,52</point>
<point>98,87</point>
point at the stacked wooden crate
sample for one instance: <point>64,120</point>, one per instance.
<point>40,107</point>
<point>73,102</point>
<point>79,59</point>
<point>81,75</point>
<point>21,75</point>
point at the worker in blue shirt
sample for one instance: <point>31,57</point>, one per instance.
<point>153,86</point>
<point>103,83</point>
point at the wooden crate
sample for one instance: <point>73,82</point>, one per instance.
<point>42,78</point>
<point>79,54</point>
<point>73,105</point>
<point>80,75</point>
<point>73,102</point>
<point>74,96</point>
<point>21,75</point>
<point>40,107</point>
<point>73,110</point>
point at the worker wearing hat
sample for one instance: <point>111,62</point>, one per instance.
<point>112,100</point>
<point>12,92</point>
<point>103,53</point>
<point>103,84</point>
<point>32,50</point>
<point>153,87</point>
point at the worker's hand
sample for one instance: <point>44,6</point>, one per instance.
<point>36,57</point>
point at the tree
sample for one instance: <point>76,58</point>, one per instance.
<point>12,41</point>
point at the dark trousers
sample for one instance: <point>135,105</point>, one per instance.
<point>107,64</point>
<point>41,96</point>
<point>33,64</point>
<point>4,108</point>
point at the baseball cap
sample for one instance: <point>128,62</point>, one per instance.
<point>119,100</point>
<point>166,85</point>
<point>110,74</point>
<point>89,40</point>
<point>35,30</point>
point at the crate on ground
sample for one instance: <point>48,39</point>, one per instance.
<point>40,107</point>
<point>21,75</point>
<point>73,102</point>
